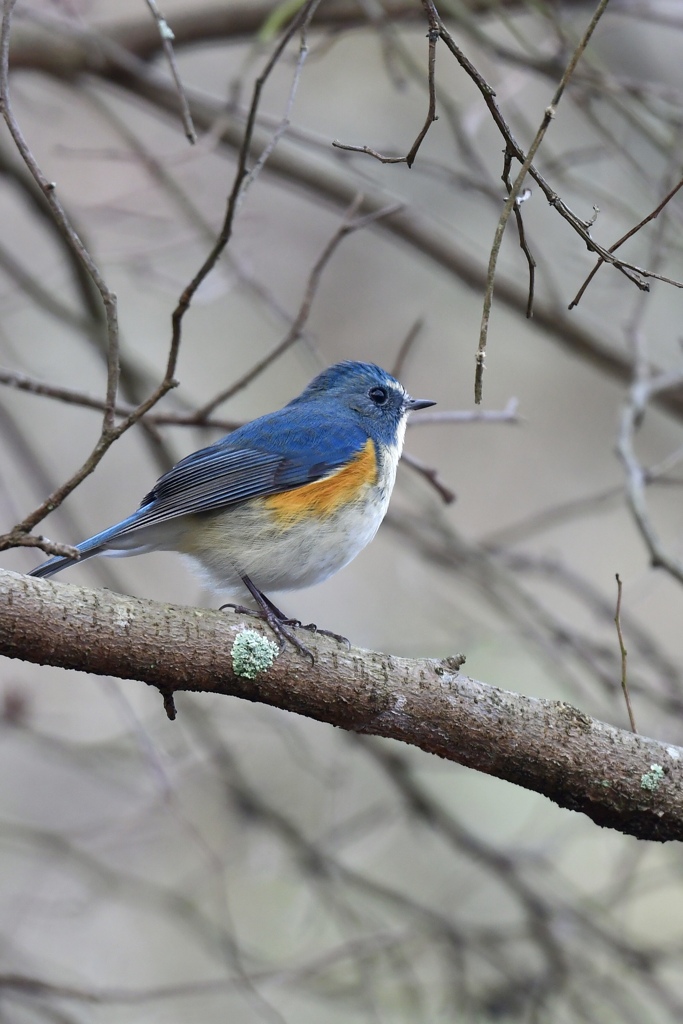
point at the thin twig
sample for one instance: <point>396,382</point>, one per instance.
<point>622,648</point>
<point>383,159</point>
<point>48,189</point>
<point>350,224</point>
<point>300,21</point>
<point>70,396</point>
<point>523,244</point>
<point>406,345</point>
<point>166,35</point>
<point>285,120</point>
<point>642,391</point>
<point>431,475</point>
<point>409,158</point>
<point>624,238</point>
<point>109,431</point>
<point>138,79</point>
<point>509,414</point>
<point>325,185</point>
<point>40,295</point>
<point>432,36</point>
<point>516,189</point>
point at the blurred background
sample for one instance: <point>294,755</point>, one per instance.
<point>244,864</point>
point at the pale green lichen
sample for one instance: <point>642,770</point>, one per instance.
<point>650,780</point>
<point>252,654</point>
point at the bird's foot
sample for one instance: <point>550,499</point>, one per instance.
<point>241,609</point>
<point>312,628</point>
<point>276,620</point>
<point>281,624</point>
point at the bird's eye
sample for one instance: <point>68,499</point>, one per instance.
<point>378,395</point>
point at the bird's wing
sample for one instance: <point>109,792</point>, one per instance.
<point>270,455</point>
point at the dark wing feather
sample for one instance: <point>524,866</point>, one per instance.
<point>272,454</point>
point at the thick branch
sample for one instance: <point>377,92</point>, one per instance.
<point>618,779</point>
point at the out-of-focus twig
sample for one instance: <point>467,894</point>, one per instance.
<point>624,238</point>
<point>641,392</point>
<point>623,653</point>
<point>350,223</point>
<point>299,23</point>
<point>166,36</point>
<point>516,188</point>
<point>48,188</point>
<point>509,414</point>
<point>431,475</point>
<point>409,158</point>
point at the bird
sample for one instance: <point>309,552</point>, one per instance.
<point>282,502</point>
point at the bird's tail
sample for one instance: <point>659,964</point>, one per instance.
<point>101,543</point>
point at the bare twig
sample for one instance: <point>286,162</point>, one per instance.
<point>509,414</point>
<point>325,185</point>
<point>432,36</point>
<point>409,158</point>
<point>166,36</point>
<point>22,382</point>
<point>300,22</point>
<point>284,123</point>
<point>622,650</point>
<point>516,189</point>
<point>406,345</point>
<point>431,475</point>
<point>382,157</point>
<point>122,50</point>
<point>48,189</point>
<point>624,238</point>
<point>523,244</point>
<point>350,224</point>
<point>642,391</point>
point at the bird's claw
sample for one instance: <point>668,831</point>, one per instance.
<point>280,625</point>
<point>312,628</point>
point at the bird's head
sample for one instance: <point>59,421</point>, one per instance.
<point>379,401</point>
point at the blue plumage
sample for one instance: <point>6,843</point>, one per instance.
<point>213,505</point>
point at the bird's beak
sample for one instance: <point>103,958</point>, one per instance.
<point>418,403</point>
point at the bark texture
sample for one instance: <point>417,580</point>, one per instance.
<point>627,782</point>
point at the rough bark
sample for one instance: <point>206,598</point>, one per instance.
<point>627,782</point>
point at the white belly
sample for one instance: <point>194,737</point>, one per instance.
<point>245,540</point>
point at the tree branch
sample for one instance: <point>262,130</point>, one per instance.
<point>620,780</point>
<point>116,55</point>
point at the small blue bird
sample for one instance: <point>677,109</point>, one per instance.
<point>284,501</point>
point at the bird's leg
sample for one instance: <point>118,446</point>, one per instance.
<point>279,622</point>
<point>276,619</point>
<point>311,626</point>
<point>260,598</point>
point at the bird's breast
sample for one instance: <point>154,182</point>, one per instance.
<point>299,537</point>
<point>325,498</point>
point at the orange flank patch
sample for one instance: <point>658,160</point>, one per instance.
<point>323,497</point>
